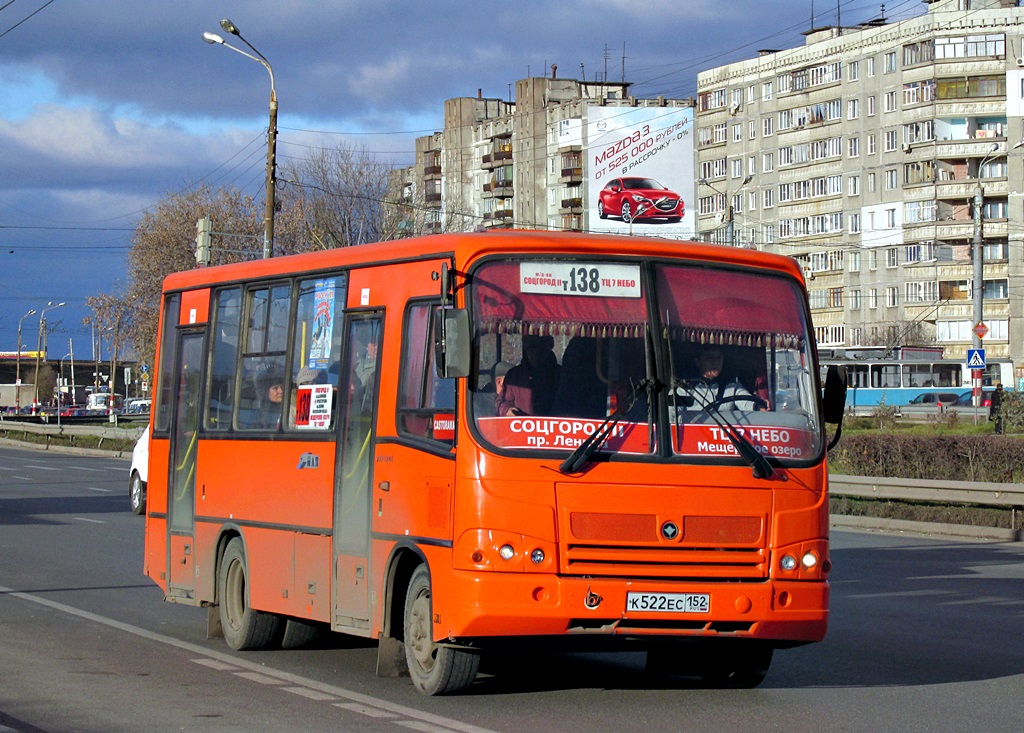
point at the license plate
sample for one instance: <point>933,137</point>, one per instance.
<point>669,602</point>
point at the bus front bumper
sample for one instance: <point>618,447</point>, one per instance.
<point>508,604</point>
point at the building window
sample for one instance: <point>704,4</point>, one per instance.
<point>890,218</point>
<point>853,147</point>
<point>853,185</point>
<point>996,289</point>
<point>890,63</point>
<point>767,126</point>
<point>890,141</point>
<point>871,106</point>
<point>891,179</point>
<point>871,65</point>
<point>767,162</point>
<point>737,133</point>
<point>766,91</point>
<point>853,258</point>
<point>853,109</point>
<point>872,298</point>
<point>853,70</point>
<point>892,296</point>
<point>890,101</point>
<point>892,257</point>
<point>871,145</point>
<point>855,229</point>
<point>751,165</point>
<point>752,129</point>
<point>768,198</point>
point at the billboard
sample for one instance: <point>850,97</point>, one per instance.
<point>639,168</point>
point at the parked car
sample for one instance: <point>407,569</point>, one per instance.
<point>636,198</point>
<point>138,474</point>
<point>137,407</point>
<point>967,398</point>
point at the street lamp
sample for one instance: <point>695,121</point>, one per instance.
<point>268,216</point>
<point>39,346</point>
<point>730,225</point>
<point>17,378</point>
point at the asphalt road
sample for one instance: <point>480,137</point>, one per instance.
<point>926,635</point>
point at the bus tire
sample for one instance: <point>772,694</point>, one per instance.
<point>298,634</point>
<point>244,628</point>
<point>435,669</point>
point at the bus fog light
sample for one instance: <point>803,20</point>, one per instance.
<point>788,563</point>
<point>809,560</point>
<point>507,552</point>
<point>537,556</point>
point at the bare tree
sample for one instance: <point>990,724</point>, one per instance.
<point>336,198</point>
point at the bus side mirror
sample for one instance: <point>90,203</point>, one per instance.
<point>833,403</point>
<point>451,343</point>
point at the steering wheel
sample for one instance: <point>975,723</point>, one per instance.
<point>759,404</point>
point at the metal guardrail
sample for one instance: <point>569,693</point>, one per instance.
<point>906,489</point>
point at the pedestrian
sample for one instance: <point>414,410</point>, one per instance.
<point>996,408</point>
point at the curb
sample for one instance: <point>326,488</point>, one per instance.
<point>126,454</point>
<point>846,521</point>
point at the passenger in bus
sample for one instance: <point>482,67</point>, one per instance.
<point>271,386</point>
<point>364,370</point>
<point>713,387</point>
<point>529,387</point>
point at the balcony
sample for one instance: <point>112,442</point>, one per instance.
<point>571,206</point>
<point>960,190</point>
<point>431,172</point>
<point>571,175</point>
<point>432,198</point>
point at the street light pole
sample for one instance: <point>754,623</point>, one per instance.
<point>39,347</point>
<point>17,378</point>
<point>271,194</point>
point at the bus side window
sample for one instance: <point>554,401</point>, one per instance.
<point>422,394</point>
<point>223,357</point>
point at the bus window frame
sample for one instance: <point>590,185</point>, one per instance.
<point>427,372</point>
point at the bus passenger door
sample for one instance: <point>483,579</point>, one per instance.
<point>354,471</point>
<point>182,480</point>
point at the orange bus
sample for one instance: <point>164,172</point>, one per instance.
<point>465,442</point>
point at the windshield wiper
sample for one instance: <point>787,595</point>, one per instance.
<point>760,465</point>
<point>590,446</point>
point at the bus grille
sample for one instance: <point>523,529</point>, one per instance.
<point>631,545</point>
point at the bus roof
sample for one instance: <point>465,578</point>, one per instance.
<point>464,246</point>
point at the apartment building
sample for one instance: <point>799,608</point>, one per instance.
<point>861,154</point>
<point>542,160</point>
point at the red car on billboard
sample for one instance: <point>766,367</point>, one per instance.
<point>636,198</point>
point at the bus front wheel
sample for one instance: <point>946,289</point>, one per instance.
<point>244,627</point>
<point>435,669</point>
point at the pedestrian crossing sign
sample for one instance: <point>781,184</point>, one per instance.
<point>976,358</point>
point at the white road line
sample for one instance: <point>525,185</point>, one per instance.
<point>86,519</point>
<point>311,694</point>
<point>402,711</point>
<point>258,677</point>
<point>45,468</point>
<point>364,710</point>
<point>95,488</point>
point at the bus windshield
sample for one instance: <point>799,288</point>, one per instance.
<point>681,355</point>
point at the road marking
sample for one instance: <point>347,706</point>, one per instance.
<point>257,677</point>
<point>364,710</point>
<point>86,519</point>
<point>418,719</point>
<point>44,468</point>
<point>94,488</point>
<point>311,694</point>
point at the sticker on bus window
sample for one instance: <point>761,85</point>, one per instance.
<point>444,426</point>
<point>601,279</point>
<point>313,407</point>
<point>774,442</point>
<point>554,433</point>
<point>323,325</point>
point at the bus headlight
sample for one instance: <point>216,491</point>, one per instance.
<point>498,550</point>
<point>809,560</point>
<point>788,563</point>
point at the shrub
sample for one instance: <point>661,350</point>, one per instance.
<point>939,457</point>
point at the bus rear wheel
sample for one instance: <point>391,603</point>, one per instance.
<point>244,627</point>
<point>435,669</point>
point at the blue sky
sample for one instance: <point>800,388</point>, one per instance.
<point>106,106</point>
